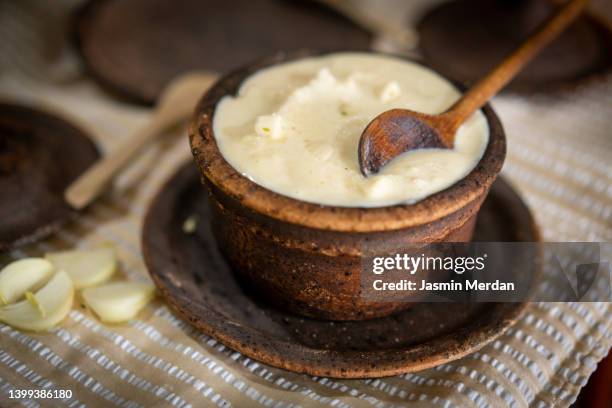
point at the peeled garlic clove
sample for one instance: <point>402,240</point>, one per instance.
<point>54,299</point>
<point>118,301</point>
<point>31,297</point>
<point>21,276</point>
<point>86,267</point>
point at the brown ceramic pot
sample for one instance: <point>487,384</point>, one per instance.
<point>307,257</point>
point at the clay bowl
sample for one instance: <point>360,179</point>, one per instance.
<point>306,257</point>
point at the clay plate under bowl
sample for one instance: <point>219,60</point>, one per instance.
<point>195,279</point>
<point>40,154</point>
<point>308,257</point>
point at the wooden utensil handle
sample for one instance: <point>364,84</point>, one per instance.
<point>494,81</point>
<point>93,182</point>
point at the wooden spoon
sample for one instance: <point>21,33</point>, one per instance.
<point>176,102</point>
<point>398,130</point>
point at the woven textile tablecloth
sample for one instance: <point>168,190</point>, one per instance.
<point>559,156</point>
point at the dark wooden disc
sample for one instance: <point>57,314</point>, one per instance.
<point>464,39</point>
<point>40,155</point>
<point>193,277</point>
<point>135,47</point>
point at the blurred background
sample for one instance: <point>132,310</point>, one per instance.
<point>102,64</point>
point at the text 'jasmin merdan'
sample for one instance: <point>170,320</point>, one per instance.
<point>412,264</point>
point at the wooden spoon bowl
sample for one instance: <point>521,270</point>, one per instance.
<point>387,137</point>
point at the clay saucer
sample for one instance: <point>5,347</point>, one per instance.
<point>463,39</point>
<point>194,278</point>
<point>134,47</point>
<point>40,155</point>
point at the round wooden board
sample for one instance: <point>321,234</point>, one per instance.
<point>193,277</point>
<point>40,154</point>
<point>464,39</point>
<point>134,47</point>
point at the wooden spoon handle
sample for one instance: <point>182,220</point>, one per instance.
<point>495,80</point>
<point>97,178</point>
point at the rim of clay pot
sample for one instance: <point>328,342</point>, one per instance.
<point>261,200</point>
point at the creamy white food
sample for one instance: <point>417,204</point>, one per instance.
<point>294,129</point>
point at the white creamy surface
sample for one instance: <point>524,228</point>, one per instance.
<point>294,129</point>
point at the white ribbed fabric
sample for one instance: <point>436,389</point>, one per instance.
<point>559,159</point>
